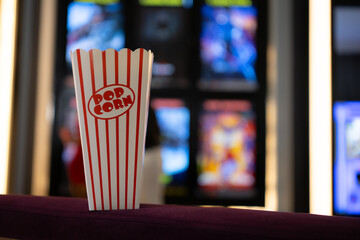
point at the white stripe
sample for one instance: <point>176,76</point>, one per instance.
<point>110,73</point>
<point>82,128</point>
<point>85,60</point>
<point>133,113</point>
<point>99,83</point>
<point>122,128</point>
<point>146,83</point>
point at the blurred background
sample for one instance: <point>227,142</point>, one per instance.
<point>253,103</point>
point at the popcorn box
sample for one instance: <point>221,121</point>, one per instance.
<point>112,94</point>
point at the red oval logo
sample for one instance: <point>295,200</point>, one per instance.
<point>111,101</point>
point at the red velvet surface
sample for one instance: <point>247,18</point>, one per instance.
<point>29,217</point>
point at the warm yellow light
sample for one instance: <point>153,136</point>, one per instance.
<point>271,171</point>
<point>7,52</point>
<point>44,99</point>
<point>320,106</point>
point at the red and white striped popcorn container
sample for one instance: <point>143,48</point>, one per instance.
<point>112,94</point>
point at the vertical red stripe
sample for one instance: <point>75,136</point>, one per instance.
<point>138,121</point>
<point>104,68</point>
<point>96,127</point>
<point>117,163</point>
<point>108,159</point>
<point>107,131</point>
<point>127,129</point>
<point>116,67</point>
<point>86,124</point>
<point>117,134</point>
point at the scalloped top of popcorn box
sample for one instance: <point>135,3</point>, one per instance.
<point>111,49</point>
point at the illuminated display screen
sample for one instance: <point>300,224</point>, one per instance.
<point>229,3</point>
<point>91,25</point>
<point>228,49</point>
<point>173,118</point>
<point>226,158</point>
<point>346,30</point>
<point>166,31</point>
<point>347,158</point>
<point>166,3</point>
